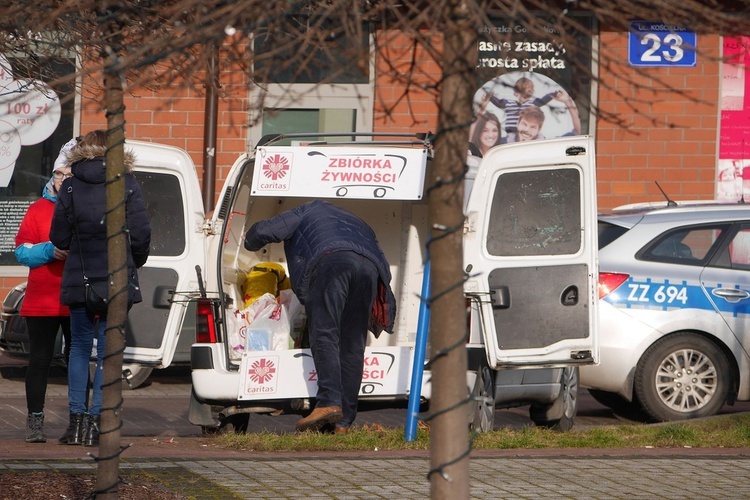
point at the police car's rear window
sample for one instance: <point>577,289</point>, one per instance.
<point>609,233</point>
<point>691,245</point>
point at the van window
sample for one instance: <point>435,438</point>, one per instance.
<point>166,211</point>
<point>334,92</point>
<point>536,213</point>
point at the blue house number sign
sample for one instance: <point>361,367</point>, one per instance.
<point>660,44</point>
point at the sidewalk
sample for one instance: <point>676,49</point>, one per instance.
<point>389,475</point>
<point>167,446</point>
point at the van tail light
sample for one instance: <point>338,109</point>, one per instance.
<point>608,282</point>
<point>205,322</point>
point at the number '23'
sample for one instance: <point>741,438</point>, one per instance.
<point>669,49</point>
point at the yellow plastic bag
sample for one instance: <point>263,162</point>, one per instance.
<point>269,277</point>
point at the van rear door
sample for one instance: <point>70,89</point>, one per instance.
<point>174,203</point>
<point>530,253</point>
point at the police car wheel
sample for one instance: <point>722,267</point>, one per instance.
<point>682,376</point>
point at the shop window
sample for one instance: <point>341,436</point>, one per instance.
<point>33,165</point>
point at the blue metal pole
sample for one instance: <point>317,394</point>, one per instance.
<point>420,346</point>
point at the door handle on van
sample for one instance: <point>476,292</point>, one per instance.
<point>500,297</point>
<point>162,297</point>
<point>569,296</point>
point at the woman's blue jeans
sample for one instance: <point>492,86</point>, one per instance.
<point>84,327</point>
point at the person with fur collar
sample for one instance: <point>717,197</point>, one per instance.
<point>41,306</point>
<point>79,224</point>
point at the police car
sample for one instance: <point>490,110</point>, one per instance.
<point>674,288</point>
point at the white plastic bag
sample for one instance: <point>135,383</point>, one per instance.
<point>268,324</point>
<point>297,318</point>
<point>237,331</point>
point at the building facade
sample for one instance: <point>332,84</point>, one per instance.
<point>660,123</point>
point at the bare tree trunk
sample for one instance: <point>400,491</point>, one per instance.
<point>108,470</point>
<point>449,430</point>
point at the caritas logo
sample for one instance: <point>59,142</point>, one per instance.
<point>275,171</point>
<point>261,376</point>
<point>262,371</point>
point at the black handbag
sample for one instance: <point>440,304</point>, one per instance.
<point>96,295</point>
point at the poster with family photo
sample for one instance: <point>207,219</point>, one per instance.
<point>519,107</point>
<point>531,83</point>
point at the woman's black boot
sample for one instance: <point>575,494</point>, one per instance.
<point>91,430</point>
<point>74,432</point>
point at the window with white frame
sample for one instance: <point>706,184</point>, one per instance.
<point>332,93</point>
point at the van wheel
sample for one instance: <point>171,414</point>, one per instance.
<point>135,375</point>
<point>682,376</point>
<point>234,424</point>
<point>482,414</point>
<point>560,414</point>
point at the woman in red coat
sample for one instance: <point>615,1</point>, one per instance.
<point>41,305</point>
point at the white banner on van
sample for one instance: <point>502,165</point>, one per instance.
<point>291,373</point>
<point>367,172</point>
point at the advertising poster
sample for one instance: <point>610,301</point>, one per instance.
<point>733,165</point>
<point>34,124</point>
<point>733,172</point>
<point>531,84</point>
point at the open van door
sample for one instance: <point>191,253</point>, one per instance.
<point>530,253</point>
<point>174,204</point>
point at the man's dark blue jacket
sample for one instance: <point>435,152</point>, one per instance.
<point>315,229</point>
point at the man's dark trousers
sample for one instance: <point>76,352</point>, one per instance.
<point>340,296</point>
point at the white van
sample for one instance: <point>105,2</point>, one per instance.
<point>529,247</point>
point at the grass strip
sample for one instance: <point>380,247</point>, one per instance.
<point>731,431</point>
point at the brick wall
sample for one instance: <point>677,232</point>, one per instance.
<point>667,136</point>
<point>177,118</point>
<point>402,103</point>
<point>8,282</point>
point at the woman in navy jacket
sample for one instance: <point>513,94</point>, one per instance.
<point>79,224</point>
